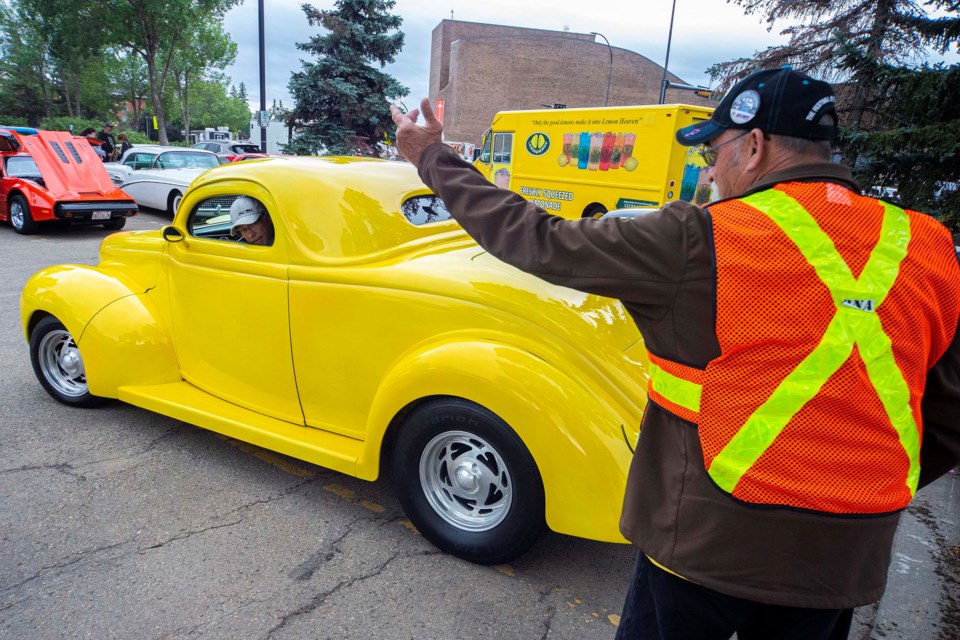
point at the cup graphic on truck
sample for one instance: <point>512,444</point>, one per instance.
<point>598,151</point>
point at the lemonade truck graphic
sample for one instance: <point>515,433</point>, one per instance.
<point>584,162</point>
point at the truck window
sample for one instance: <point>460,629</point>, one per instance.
<point>502,145</point>
<point>485,154</point>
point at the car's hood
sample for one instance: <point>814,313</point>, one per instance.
<point>133,257</point>
<point>575,317</point>
<point>70,169</point>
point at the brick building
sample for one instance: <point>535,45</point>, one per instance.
<point>479,69</point>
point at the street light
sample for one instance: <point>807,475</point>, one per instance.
<point>606,99</point>
<point>663,82</point>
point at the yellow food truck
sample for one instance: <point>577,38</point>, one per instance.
<point>584,162</point>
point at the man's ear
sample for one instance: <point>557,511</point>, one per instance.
<point>757,149</point>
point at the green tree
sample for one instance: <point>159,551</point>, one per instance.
<point>25,64</point>
<point>897,32</point>
<point>155,30</point>
<point>212,105</point>
<point>917,148</point>
<point>129,73</point>
<point>208,47</point>
<point>342,101</point>
<point>900,122</point>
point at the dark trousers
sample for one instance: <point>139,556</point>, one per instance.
<point>661,606</point>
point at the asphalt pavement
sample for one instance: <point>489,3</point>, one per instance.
<point>119,523</point>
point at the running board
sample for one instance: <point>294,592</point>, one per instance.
<point>183,401</point>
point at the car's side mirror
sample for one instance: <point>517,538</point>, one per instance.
<point>172,234</point>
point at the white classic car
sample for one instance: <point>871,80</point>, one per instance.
<point>157,176</point>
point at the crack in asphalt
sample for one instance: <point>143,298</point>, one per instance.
<point>129,456</point>
<point>305,570</point>
<point>69,469</point>
<point>64,467</point>
<point>60,565</point>
<point>186,534</point>
<point>317,601</point>
<point>13,604</point>
<point>551,610</point>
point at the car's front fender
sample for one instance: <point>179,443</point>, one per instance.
<point>121,337</point>
<point>573,435</point>
<point>72,293</point>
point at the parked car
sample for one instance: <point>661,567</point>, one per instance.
<point>372,331</point>
<point>157,176</point>
<point>48,176</point>
<point>229,149</point>
<point>256,156</point>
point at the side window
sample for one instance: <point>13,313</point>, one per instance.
<point>420,210</point>
<point>502,145</point>
<point>485,154</point>
<point>138,161</point>
<point>232,218</point>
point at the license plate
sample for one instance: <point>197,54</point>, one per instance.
<point>100,215</point>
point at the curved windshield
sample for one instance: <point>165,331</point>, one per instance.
<point>186,160</point>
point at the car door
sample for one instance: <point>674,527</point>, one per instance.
<point>8,147</point>
<point>229,311</point>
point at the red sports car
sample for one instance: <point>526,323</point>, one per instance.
<point>54,175</point>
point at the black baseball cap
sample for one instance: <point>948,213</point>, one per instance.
<point>780,101</point>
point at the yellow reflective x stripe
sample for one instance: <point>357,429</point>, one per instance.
<point>854,323</point>
<point>676,390</point>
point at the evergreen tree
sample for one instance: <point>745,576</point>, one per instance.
<point>900,123</point>
<point>341,99</point>
<point>242,92</point>
<point>916,145</point>
<point>896,32</point>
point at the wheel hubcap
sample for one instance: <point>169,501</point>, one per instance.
<point>466,481</point>
<point>16,215</point>
<point>62,365</point>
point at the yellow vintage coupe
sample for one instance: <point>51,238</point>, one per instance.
<point>370,332</point>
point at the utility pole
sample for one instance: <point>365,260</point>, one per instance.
<point>664,82</point>
<point>263,82</point>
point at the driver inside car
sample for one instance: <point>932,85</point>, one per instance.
<point>250,221</point>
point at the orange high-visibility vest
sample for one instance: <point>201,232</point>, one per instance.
<point>831,309</point>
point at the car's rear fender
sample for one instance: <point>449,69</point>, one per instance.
<point>120,336</point>
<point>574,437</point>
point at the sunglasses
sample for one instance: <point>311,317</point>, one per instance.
<point>710,155</point>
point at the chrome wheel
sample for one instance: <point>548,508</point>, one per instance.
<point>466,481</point>
<point>17,214</point>
<point>61,364</point>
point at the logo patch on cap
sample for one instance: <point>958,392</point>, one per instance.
<point>692,132</point>
<point>745,107</point>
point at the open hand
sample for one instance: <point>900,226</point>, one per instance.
<point>413,139</point>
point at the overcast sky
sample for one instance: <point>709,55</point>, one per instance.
<point>704,32</point>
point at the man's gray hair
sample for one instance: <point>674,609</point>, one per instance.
<point>805,146</point>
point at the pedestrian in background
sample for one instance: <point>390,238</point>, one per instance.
<point>95,143</point>
<point>109,145</point>
<point>804,361</point>
<point>124,145</point>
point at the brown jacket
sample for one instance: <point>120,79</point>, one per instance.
<point>661,267</point>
